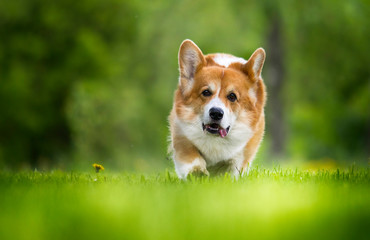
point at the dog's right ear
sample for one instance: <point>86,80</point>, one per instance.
<point>191,59</point>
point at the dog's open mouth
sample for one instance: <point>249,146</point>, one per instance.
<point>215,128</point>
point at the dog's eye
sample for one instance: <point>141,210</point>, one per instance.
<point>232,97</point>
<point>206,93</point>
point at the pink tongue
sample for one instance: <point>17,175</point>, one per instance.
<point>222,132</point>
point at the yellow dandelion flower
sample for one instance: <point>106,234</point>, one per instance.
<point>98,167</point>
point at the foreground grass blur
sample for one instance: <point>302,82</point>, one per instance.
<point>278,203</point>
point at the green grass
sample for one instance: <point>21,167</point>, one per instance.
<point>278,204</point>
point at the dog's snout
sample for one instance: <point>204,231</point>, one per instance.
<point>216,113</point>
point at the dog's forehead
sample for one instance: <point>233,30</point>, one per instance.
<point>220,74</point>
<point>217,78</point>
<point>232,76</point>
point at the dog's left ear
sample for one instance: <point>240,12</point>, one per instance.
<point>253,67</point>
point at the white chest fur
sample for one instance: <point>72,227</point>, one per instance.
<point>214,148</point>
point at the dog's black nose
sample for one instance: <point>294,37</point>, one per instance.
<point>216,113</point>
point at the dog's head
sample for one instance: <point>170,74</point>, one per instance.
<point>219,91</point>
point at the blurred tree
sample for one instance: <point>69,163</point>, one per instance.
<point>45,48</point>
<point>327,90</point>
<point>275,77</point>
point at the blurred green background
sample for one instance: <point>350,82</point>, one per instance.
<point>92,81</point>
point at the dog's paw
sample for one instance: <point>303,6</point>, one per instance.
<point>199,171</point>
<point>196,168</point>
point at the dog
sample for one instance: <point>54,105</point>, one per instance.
<point>217,120</point>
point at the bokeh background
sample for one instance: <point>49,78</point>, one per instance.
<point>92,81</point>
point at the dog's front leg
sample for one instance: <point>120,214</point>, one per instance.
<point>187,158</point>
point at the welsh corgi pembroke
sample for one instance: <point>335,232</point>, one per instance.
<point>217,121</point>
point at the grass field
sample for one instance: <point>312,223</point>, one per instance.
<point>267,204</point>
